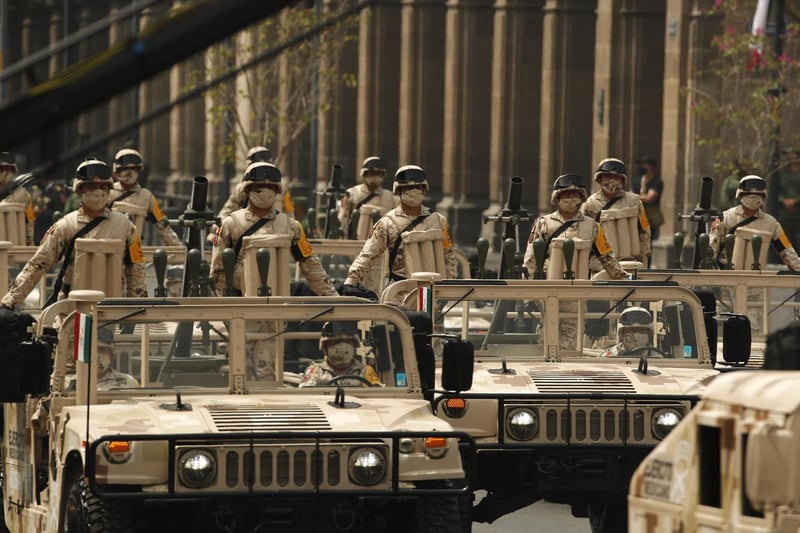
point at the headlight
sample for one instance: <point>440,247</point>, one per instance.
<point>367,466</point>
<point>197,469</point>
<point>522,424</point>
<point>664,420</point>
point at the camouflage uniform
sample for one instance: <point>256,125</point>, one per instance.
<point>384,234</point>
<point>54,244</point>
<point>114,379</point>
<point>145,199</point>
<point>238,200</point>
<point>382,202</point>
<point>321,373</point>
<point>237,223</point>
<point>586,229</point>
<point>21,197</point>
<point>591,208</point>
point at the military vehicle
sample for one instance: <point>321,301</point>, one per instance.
<point>217,436</point>
<point>730,465</point>
<point>555,415</point>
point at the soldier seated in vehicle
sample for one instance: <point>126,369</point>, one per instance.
<point>635,334</point>
<point>339,342</point>
<point>108,378</point>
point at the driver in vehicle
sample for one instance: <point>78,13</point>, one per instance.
<point>634,330</point>
<point>339,342</point>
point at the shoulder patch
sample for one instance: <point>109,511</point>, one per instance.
<point>158,214</point>
<point>302,242</point>
<point>603,247</point>
<point>135,249</point>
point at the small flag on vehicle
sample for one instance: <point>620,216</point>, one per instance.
<point>425,299</point>
<point>83,338</point>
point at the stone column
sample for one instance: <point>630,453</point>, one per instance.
<point>421,117</point>
<point>567,92</point>
<point>187,133</point>
<point>122,108</point>
<point>95,120</point>
<point>467,104</point>
<point>516,84</point>
<point>378,82</point>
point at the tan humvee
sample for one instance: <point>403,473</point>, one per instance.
<point>554,416</point>
<point>730,465</point>
<point>217,436</point>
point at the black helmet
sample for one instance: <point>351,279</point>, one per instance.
<point>262,173</point>
<point>409,175</point>
<point>373,164</point>
<point>567,182</point>
<point>128,158</point>
<point>92,170</point>
<point>259,154</point>
<point>7,159</point>
<point>611,166</point>
<point>339,331</point>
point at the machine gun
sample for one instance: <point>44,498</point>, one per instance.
<point>703,215</point>
<point>327,201</point>
<point>512,215</point>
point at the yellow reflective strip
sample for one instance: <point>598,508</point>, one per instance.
<point>643,222</point>
<point>288,206</point>
<point>29,213</point>
<point>302,243</point>
<point>158,214</point>
<point>447,243</point>
<point>603,247</point>
<point>135,249</point>
<point>784,239</point>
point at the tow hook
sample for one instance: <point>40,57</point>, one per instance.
<point>343,519</point>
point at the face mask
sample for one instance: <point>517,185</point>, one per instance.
<point>373,182</point>
<point>752,201</point>
<point>128,176</point>
<point>568,205</point>
<point>611,185</point>
<point>340,355</point>
<point>635,339</point>
<point>262,198</point>
<point>412,197</point>
<point>95,200</point>
<point>5,176</point>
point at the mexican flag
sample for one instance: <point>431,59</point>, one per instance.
<point>425,299</point>
<point>82,350</point>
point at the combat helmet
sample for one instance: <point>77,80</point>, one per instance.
<point>373,165</point>
<point>611,165</point>
<point>258,154</point>
<point>339,331</point>
<point>128,158</point>
<point>568,182</point>
<point>409,175</point>
<point>262,173</point>
<point>751,184</point>
<point>92,170</point>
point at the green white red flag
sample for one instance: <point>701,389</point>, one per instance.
<point>82,350</point>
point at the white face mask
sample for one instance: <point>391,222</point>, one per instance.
<point>569,205</point>
<point>611,184</point>
<point>340,355</point>
<point>95,200</point>
<point>373,182</point>
<point>263,198</point>
<point>635,339</point>
<point>412,197</point>
<point>128,176</point>
<point>752,201</point>
<point>5,176</point>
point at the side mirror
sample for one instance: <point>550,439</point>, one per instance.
<point>458,361</point>
<point>736,338</point>
<point>770,467</point>
<point>26,370</point>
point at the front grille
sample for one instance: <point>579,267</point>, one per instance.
<point>269,418</point>
<point>578,382</point>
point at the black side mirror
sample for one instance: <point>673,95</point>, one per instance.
<point>26,370</point>
<point>458,360</point>
<point>736,338</point>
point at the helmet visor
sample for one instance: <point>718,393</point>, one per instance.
<point>635,317</point>
<point>128,160</point>
<point>611,167</point>
<point>263,173</point>
<point>410,176</point>
<point>562,182</point>
<point>94,170</point>
<point>753,185</point>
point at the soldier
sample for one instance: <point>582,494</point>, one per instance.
<point>610,175</point>
<point>129,197</point>
<point>751,194</point>
<point>107,377</point>
<point>410,185</point>
<point>93,220</point>
<point>569,191</point>
<point>634,330</point>
<point>11,195</point>
<point>262,184</point>
<point>367,198</point>
<point>238,197</point>
<point>338,343</point>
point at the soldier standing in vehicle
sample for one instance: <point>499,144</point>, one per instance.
<point>15,196</point>
<point>410,185</point>
<point>129,197</point>
<point>629,246</point>
<point>262,185</point>
<point>751,194</point>
<point>338,343</point>
<point>238,198</point>
<point>93,220</point>
<point>367,198</point>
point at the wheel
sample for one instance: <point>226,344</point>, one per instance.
<point>337,379</point>
<point>608,517</point>
<point>86,513</point>
<point>444,514</point>
<point>646,350</point>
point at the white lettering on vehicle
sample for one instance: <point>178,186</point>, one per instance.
<point>657,479</point>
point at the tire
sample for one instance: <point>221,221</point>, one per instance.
<point>444,514</point>
<point>86,513</point>
<point>608,517</point>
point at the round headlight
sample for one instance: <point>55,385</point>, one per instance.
<point>522,424</point>
<point>197,469</point>
<point>664,420</point>
<point>367,466</point>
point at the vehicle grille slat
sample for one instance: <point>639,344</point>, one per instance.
<point>581,382</point>
<point>269,418</point>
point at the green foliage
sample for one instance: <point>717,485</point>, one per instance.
<point>282,89</point>
<point>758,94</point>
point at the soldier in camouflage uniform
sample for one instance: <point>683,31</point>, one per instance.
<point>410,185</point>
<point>17,196</point>
<point>367,197</point>
<point>569,191</point>
<point>262,184</point>
<point>338,343</point>
<point>92,183</point>
<point>127,194</point>
<point>634,330</point>
<point>107,377</point>
<point>611,176</point>
<point>238,198</point>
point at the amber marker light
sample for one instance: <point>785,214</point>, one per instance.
<point>455,407</point>
<point>119,446</point>
<point>435,446</point>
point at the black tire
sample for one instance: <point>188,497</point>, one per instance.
<point>86,513</point>
<point>608,517</point>
<point>444,514</point>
